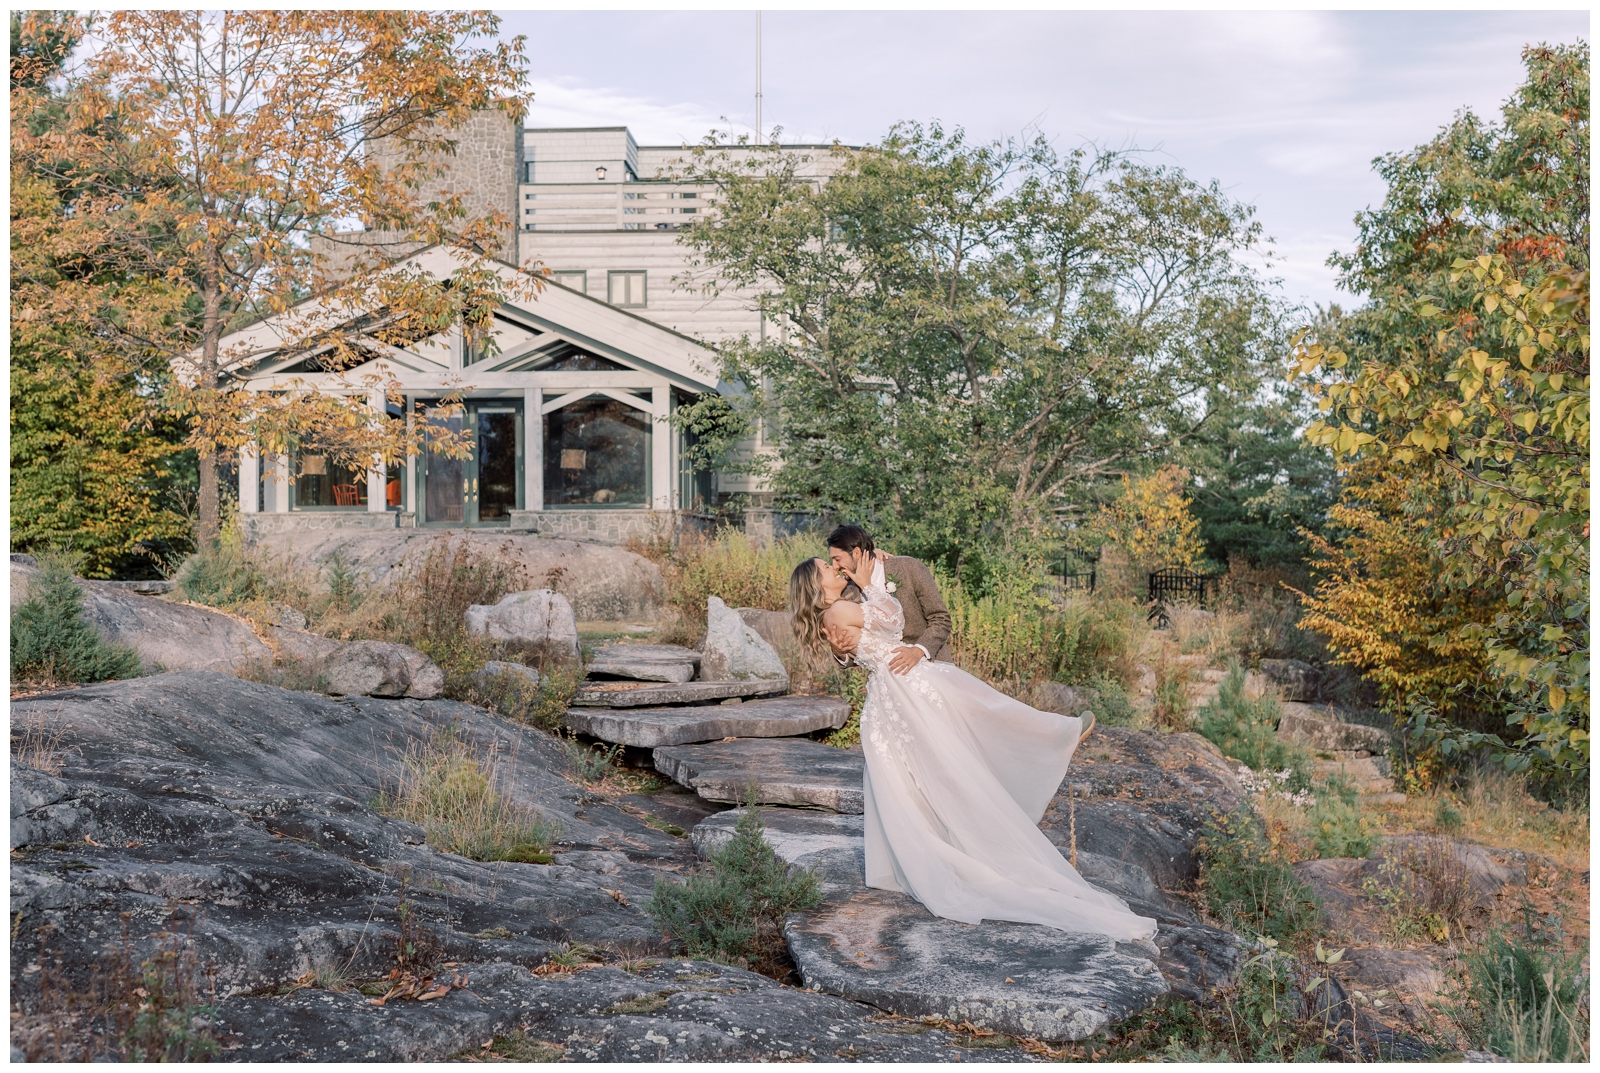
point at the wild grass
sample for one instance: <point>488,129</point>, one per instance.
<point>1497,808</point>
<point>36,740</point>
<point>51,642</point>
<point>1171,693</point>
<point>1014,636</point>
<point>1524,998</point>
<point>456,797</point>
<point>728,565</point>
<point>155,1008</point>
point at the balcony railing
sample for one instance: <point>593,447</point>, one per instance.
<point>636,206</point>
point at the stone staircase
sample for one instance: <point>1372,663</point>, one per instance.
<point>717,737</point>
<point>723,739</point>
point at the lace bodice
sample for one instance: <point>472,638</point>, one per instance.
<point>883,627</point>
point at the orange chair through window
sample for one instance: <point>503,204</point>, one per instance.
<point>346,495</point>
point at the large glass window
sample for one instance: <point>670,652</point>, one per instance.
<point>597,453</point>
<point>321,482</point>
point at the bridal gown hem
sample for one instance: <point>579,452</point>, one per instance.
<point>957,777</point>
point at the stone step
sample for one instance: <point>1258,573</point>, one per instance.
<point>646,694</point>
<point>649,728</point>
<point>1320,728</point>
<point>646,663</point>
<point>786,771</point>
<point>1371,774</point>
<point>885,949</point>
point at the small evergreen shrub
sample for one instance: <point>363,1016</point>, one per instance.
<point>734,913</point>
<point>1248,884</point>
<point>1338,826</point>
<point>1525,998</point>
<point>51,641</point>
<point>1246,729</point>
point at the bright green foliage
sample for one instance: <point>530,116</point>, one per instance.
<point>1246,729</point>
<point>964,336</point>
<point>733,914</point>
<point>50,639</point>
<point>1470,367</point>
<point>1527,999</point>
<point>1268,1006</point>
<point>1248,884</point>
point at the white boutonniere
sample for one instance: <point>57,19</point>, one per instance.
<point>890,583</point>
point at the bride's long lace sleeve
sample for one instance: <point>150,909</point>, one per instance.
<point>882,613</point>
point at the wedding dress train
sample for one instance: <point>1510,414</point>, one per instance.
<point>957,777</point>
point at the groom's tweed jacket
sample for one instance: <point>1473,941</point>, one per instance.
<point>927,619</point>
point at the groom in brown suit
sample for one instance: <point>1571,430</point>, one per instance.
<point>927,619</point>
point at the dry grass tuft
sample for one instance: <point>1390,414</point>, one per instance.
<point>457,798</point>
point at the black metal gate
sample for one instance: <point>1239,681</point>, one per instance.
<point>1177,585</point>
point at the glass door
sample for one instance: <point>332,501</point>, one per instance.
<point>486,486</point>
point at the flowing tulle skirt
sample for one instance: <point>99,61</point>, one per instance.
<point>957,778</point>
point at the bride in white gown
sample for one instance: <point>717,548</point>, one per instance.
<point>957,776</point>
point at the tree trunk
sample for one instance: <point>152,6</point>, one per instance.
<point>209,526</point>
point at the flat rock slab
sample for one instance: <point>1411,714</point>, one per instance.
<point>646,663</point>
<point>672,1012</point>
<point>786,771</point>
<point>884,949</point>
<point>649,728</point>
<point>644,695</point>
<point>1193,958</point>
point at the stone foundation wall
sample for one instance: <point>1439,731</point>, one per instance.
<point>600,526</point>
<point>255,525</point>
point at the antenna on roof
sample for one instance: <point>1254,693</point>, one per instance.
<point>758,78</point>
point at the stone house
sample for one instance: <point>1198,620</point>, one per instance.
<point>571,413</point>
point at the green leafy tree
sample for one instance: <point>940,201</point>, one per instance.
<point>965,337</point>
<point>1470,367</point>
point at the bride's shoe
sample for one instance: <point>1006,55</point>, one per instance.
<point>1089,722</point>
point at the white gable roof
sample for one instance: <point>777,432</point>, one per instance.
<point>556,312</point>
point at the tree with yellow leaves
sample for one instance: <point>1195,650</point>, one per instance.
<point>1151,520</point>
<point>202,151</point>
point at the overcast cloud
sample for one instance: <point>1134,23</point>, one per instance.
<point>1285,109</point>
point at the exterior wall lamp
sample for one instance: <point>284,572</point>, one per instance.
<point>600,174</point>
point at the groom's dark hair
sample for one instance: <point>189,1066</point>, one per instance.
<point>849,538</point>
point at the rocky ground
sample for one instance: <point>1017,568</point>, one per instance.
<point>233,822</point>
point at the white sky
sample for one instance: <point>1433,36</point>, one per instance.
<point>1285,109</point>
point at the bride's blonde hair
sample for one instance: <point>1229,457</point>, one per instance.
<point>807,602</point>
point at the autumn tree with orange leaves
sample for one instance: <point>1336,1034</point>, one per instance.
<point>1460,396</point>
<point>201,152</point>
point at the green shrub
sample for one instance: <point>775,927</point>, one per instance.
<point>1246,729</point>
<point>734,913</point>
<point>223,573</point>
<point>1248,884</point>
<point>851,684</point>
<point>1338,826</point>
<point>1526,1000</point>
<point>51,641</point>
<point>454,797</point>
<point>1112,706</point>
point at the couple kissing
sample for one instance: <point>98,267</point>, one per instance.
<point>957,774</point>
